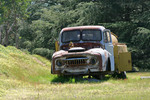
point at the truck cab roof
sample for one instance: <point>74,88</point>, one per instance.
<point>83,27</point>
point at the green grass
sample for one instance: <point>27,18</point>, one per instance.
<point>24,76</point>
<point>19,65</point>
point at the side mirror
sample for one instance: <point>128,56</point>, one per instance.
<point>56,46</point>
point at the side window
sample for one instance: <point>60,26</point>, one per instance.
<point>107,37</point>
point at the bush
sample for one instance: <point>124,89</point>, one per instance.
<point>43,52</point>
<point>27,45</point>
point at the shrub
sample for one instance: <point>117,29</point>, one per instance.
<point>27,44</point>
<point>43,52</point>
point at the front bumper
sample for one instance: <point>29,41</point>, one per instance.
<point>84,68</point>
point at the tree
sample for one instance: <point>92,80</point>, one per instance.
<point>12,12</point>
<point>39,22</point>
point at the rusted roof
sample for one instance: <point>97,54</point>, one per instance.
<point>82,27</point>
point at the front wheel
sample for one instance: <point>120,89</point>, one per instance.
<point>51,69</point>
<point>101,77</point>
<point>108,66</point>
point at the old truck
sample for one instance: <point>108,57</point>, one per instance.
<point>90,50</point>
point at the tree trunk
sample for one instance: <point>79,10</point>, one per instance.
<point>17,40</point>
<point>7,31</point>
<point>6,38</point>
<point>1,28</point>
<point>0,37</point>
<point>15,23</point>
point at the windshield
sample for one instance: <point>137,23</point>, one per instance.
<point>91,35</point>
<point>85,35</point>
<point>73,36</point>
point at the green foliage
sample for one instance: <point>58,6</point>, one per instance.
<point>43,52</point>
<point>141,43</point>
<point>39,23</point>
<point>12,14</point>
<point>27,44</point>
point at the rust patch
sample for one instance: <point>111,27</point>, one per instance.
<point>76,64</point>
<point>54,71</point>
<point>100,61</point>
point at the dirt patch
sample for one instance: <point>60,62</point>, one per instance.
<point>38,61</point>
<point>145,77</point>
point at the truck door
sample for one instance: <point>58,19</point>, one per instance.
<point>109,46</point>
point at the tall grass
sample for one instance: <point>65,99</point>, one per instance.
<point>19,65</point>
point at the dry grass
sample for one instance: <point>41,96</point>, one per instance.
<point>132,88</point>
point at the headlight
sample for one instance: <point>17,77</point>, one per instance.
<point>59,63</point>
<point>93,61</point>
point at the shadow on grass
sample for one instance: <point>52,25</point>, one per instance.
<point>78,79</point>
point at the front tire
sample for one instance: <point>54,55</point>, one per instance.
<point>101,77</point>
<point>51,69</point>
<point>108,68</point>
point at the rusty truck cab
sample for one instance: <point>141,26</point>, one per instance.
<point>84,36</point>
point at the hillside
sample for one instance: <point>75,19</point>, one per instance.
<point>22,66</point>
<point>27,77</point>
<point>17,67</point>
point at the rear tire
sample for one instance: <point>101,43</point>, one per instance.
<point>121,75</point>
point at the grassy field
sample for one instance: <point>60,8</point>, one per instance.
<point>27,77</point>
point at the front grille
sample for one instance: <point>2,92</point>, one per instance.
<point>76,61</point>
